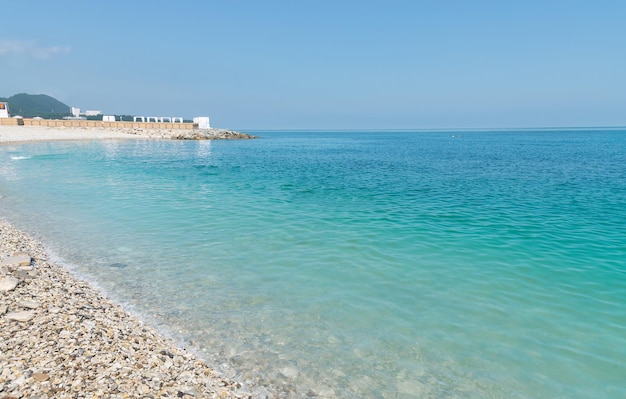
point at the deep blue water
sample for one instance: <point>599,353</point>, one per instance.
<point>355,264</point>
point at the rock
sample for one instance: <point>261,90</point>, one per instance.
<point>3,309</point>
<point>41,377</point>
<point>20,260</point>
<point>24,315</point>
<point>20,380</point>
<point>25,274</point>
<point>8,283</point>
<point>289,372</point>
<point>28,304</point>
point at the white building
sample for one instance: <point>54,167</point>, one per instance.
<point>75,112</point>
<point>202,122</point>
<point>93,112</point>
<point>4,110</point>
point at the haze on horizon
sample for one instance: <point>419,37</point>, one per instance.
<point>326,64</point>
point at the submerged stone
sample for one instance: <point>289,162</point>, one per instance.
<point>118,265</point>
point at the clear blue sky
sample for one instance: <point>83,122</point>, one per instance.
<point>253,64</point>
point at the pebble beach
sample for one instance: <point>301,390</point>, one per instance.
<point>61,338</point>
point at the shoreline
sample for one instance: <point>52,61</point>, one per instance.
<point>27,134</point>
<point>60,336</point>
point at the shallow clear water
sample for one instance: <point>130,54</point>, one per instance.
<point>355,264</point>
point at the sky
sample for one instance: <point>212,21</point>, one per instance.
<point>271,64</point>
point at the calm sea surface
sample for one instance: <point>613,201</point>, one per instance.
<point>355,264</point>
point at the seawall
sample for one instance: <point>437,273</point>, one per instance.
<point>96,124</point>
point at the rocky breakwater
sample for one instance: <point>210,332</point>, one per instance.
<point>60,338</point>
<point>211,134</point>
<point>197,134</point>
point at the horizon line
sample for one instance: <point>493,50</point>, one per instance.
<point>445,129</point>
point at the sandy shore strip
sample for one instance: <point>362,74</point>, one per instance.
<point>61,338</point>
<point>19,134</point>
<point>16,134</point>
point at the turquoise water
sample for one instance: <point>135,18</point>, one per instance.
<point>355,264</point>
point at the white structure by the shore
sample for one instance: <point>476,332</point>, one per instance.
<point>158,119</point>
<point>202,122</point>
<point>4,110</point>
<point>75,111</point>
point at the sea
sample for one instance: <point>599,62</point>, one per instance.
<point>354,264</point>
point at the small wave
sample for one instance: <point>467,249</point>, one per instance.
<point>16,158</point>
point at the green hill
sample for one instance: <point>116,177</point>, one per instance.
<point>31,105</point>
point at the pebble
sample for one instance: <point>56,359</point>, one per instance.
<point>19,259</point>
<point>8,283</point>
<point>41,377</point>
<point>24,315</point>
<point>28,304</point>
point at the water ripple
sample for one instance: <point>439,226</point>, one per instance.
<point>356,264</point>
